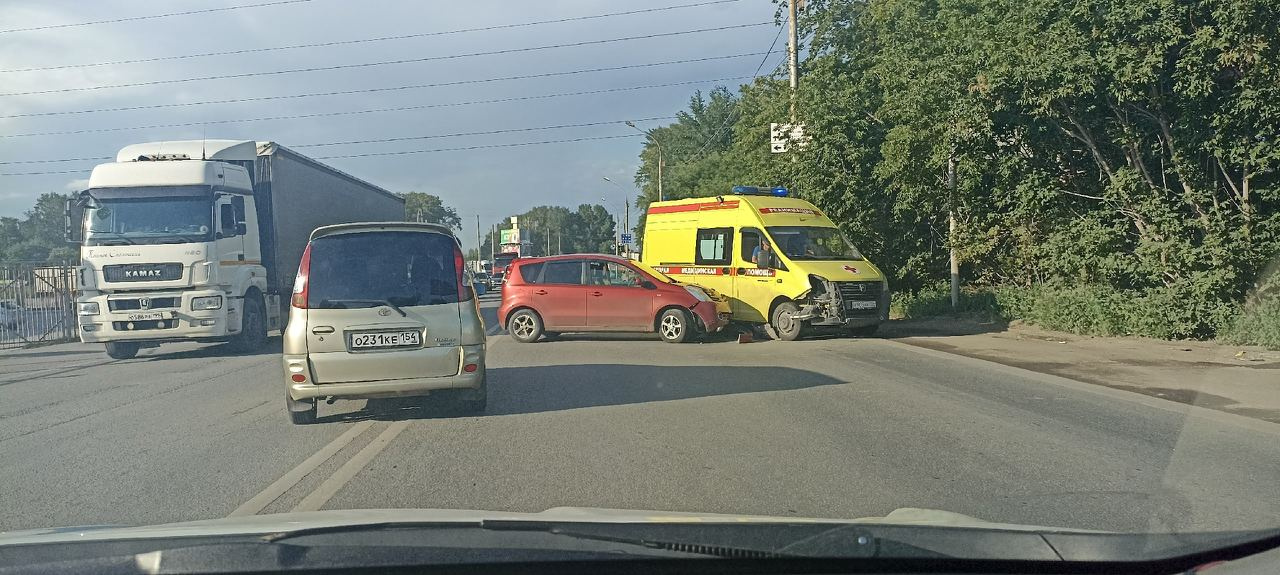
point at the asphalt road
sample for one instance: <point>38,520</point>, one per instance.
<point>826,428</point>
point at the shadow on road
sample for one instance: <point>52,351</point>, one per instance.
<point>939,327</point>
<point>50,353</point>
<point>274,347</point>
<point>523,390</point>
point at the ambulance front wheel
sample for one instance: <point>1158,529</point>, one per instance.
<point>787,328</point>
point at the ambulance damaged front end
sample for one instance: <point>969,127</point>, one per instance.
<point>845,290</point>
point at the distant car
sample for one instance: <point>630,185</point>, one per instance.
<point>476,285</point>
<point>495,280</point>
<point>483,278</point>
<point>9,312</point>
<point>381,310</point>
<point>590,292</point>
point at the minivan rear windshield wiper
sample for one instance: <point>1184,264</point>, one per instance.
<point>365,301</point>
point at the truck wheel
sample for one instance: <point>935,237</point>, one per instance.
<point>301,411</point>
<point>525,326</point>
<point>675,326</point>
<point>122,349</point>
<point>253,326</point>
<point>787,329</point>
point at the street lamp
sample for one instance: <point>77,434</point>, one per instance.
<point>649,134</point>
<point>626,202</point>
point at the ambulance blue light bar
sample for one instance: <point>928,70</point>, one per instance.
<point>778,191</point>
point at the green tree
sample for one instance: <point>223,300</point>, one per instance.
<point>423,207</point>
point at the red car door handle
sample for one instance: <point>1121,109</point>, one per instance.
<point>541,292</point>
<point>596,293</point>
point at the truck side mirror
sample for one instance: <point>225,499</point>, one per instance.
<point>72,218</point>
<point>242,229</point>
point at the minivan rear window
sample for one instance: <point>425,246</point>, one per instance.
<point>368,269</point>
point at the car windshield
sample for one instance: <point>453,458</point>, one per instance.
<point>960,266</point>
<point>370,268</point>
<point>813,243</point>
<point>148,220</point>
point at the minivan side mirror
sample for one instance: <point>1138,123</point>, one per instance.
<point>646,284</point>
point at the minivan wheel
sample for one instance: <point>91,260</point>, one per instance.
<point>674,326</point>
<point>525,326</point>
<point>122,349</point>
<point>301,411</point>
<point>788,329</point>
<point>253,327</point>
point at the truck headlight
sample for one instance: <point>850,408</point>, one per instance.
<point>88,308</point>
<point>206,303</point>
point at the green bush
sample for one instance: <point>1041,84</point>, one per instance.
<point>1172,312</point>
<point>1258,322</point>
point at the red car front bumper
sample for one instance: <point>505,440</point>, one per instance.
<point>712,320</point>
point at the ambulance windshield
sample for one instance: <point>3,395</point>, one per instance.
<point>813,243</point>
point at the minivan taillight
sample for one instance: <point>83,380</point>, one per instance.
<point>458,264</point>
<point>300,281</point>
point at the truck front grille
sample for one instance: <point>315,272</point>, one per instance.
<point>129,304</point>
<point>142,272</point>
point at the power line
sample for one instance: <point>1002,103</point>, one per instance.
<point>729,118</point>
<point>386,140</point>
<point>406,138</point>
<point>385,62</point>
<point>372,90</point>
<point>367,111</point>
<point>477,147</point>
<point>374,39</point>
<point>153,16</point>
<point>482,133</point>
<point>400,153</point>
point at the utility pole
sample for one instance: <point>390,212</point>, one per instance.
<point>478,244</point>
<point>793,61</point>
<point>626,202</point>
<point>493,243</point>
<point>951,230</point>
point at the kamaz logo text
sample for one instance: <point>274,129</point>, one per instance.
<point>154,273</point>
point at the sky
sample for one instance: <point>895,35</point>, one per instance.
<point>487,182</point>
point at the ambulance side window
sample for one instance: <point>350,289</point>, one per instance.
<point>750,240</point>
<point>715,246</point>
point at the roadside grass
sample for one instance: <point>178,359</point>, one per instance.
<point>1103,311</point>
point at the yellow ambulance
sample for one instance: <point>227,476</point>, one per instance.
<point>779,259</point>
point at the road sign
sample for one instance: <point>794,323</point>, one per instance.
<point>781,135</point>
<point>626,238</point>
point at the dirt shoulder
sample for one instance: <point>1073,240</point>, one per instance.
<point>1238,379</point>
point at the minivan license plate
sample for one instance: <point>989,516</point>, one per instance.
<point>385,339</point>
<point>861,304</point>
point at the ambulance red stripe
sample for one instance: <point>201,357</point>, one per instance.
<point>729,205</point>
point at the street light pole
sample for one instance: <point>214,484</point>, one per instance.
<point>656,144</point>
<point>626,204</point>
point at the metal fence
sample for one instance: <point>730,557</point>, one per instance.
<point>37,304</point>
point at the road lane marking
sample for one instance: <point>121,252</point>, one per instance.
<point>322,494</point>
<point>288,480</point>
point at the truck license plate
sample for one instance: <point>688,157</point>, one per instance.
<point>861,304</point>
<point>385,339</point>
<point>146,316</point>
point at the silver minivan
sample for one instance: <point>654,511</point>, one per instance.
<point>382,310</point>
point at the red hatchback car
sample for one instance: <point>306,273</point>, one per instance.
<point>595,292</point>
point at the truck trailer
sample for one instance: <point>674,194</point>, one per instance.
<point>200,240</point>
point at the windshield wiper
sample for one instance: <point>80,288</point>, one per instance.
<point>385,302</point>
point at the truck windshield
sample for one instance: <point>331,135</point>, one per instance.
<point>148,220</point>
<point>813,243</point>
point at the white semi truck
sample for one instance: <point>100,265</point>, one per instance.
<point>200,240</point>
